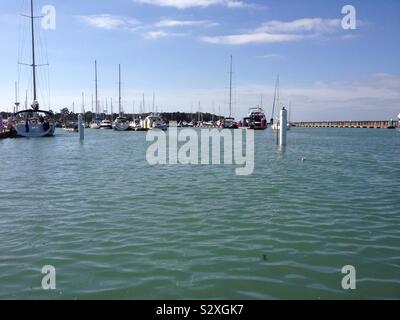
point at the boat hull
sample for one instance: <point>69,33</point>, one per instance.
<point>35,130</point>
<point>121,127</point>
<point>94,126</point>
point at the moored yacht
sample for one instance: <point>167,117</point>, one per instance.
<point>121,124</point>
<point>105,124</point>
<point>94,125</point>
<point>256,119</point>
<point>154,121</point>
<point>229,123</point>
<point>34,122</point>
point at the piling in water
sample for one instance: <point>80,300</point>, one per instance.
<point>81,128</point>
<point>283,127</point>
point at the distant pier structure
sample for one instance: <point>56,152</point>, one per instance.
<point>386,124</point>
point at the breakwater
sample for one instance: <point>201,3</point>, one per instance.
<point>384,124</point>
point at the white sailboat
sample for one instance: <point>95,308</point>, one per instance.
<point>122,122</point>
<point>275,125</point>
<point>34,122</point>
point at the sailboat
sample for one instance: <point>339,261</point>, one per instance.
<point>95,124</point>
<point>229,122</point>
<point>122,122</point>
<point>276,125</point>
<point>34,122</point>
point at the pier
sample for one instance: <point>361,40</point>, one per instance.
<point>385,124</point>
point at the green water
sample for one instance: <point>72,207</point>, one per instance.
<point>115,227</point>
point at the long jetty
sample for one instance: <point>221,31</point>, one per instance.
<point>385,124</point>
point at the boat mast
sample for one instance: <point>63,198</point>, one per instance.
<point>144,105</point>
<point>83,103</point>
<point>119,99</point>
<point>33,54</point>
<point>96,94</point>
<point>276,98</point>
<point>230,91</point>
<point>16,97</point>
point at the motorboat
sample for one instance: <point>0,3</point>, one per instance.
<point>229,123</point>
<point>94,125</point>
<point>155,121</point>
<point>256,119</point>
<point>105,124</point>
<point>71,127</point>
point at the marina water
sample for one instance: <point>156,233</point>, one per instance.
<point>116,228</point>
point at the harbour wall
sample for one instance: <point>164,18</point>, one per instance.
<point>385,124</point>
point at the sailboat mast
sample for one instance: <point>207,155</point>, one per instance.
<point>119,99</point>
<point>83,103</point>
<point>33,53</point>
<point>276,98</point>
<point>95,81</point>
<point>230,90</point>
<point>16,97</point>
<point>144,105</point>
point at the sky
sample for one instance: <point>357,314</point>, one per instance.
<point>179,50</point>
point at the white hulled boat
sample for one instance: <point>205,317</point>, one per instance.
<point>106,124</point>
<point>155,121</point>
<point>257,119</point>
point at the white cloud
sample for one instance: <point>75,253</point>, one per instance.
<point>270,56</point>
<point>240,39</point>
<point>169,23</point>
<point>110,22</point>
<point>280,31</point>
<point>317,25</point>
<point>161,34</point>
<point>185,4</point>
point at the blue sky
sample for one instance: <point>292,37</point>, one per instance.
<point>179,49</point>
